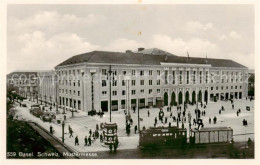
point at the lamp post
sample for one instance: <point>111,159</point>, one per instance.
<point>41,98</point>
<point>45,99</point>
<point>110,91</point>
<point>56,87</point>
<point>63,125</point>
<point>37,97</point>
<point>83,102</point>
<point>50,102</point>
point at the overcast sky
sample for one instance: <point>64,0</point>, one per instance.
<point>39,37</point>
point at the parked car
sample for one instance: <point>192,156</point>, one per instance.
<point>48,116</point>
<point>36,110</point>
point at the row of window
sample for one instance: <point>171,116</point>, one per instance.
<point>69,83</point>
<point>66,91</point>
<point>133,92</point>
<point>222,87</point>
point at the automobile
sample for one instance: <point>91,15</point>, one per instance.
<point>92,112</point>
<point>24,105</point>
<point>48,116</point>
<point>36,110</point>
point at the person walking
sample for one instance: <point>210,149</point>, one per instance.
<point>89,140</point>
<point>209,120</point>
<point>86,141</point>
<point>71,133</point>
<point>101,138</point>
<point>76,141</point>
<point>51,129</point>
<point>148,113</point>
<point>90,132</point>
<point>135,128</point>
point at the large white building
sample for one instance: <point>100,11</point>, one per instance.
<point>152,76</point>
<point>47,87</point>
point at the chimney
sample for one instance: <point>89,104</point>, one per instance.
<point>128,51</point>
<point>140,49</point>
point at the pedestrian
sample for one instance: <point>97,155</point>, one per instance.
<point>209,120</point>
<point>155,120</point>
<point>89,141</point>
<point>169,124</point>
<point>71,133</point>
<point>148,113</point>
<point>215,120</point>
<point>76,141</point>
<point>86,141</point>
<point>219,112</point>
<point>174,119</point>
<point>97,127</point>
<point>165,120</point>
<point>182,125</point>
<point>194,121</point>
<point>134,109</point>
<point>116,144</point>
<point>135,128</point>
<point>237,113</point>
<point>90,132</point>
<point>101,138</point>
<point>69,128</point>
<point>51,129</point>
<point>131,121</point>
<point>64,117</point>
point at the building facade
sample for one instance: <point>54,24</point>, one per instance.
<point>47,87</point>
<point>147,78</point>
<point>24,83</point>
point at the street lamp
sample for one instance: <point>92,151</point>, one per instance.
<point>63,125</point>
<point>110,72</point>
<point>82,73</point>
<point>56,87</point>
<point>45,99</point>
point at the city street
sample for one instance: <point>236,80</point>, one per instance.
<point>81,123</point>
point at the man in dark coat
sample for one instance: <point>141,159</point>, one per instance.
<point>76,140</point>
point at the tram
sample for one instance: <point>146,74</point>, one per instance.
<point>162,136</point>
<point>175,137</point>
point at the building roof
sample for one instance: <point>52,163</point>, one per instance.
<point>145,59</point>
<point>23,74</point>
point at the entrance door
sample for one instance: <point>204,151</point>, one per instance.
<point>193,97</point>
<point>104,106</point>
<point>226,96</point>
<point>165,99</point>
<point>206,96</point>
<point>187,101</point>
<point>180,98</point>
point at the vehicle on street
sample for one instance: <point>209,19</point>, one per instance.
<point>48,116</point>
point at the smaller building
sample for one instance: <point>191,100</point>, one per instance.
<point>25,83</point>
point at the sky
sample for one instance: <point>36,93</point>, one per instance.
<point>39,37</point>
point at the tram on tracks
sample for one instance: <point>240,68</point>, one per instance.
<point>162,136</point>
<point>174,137</point>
